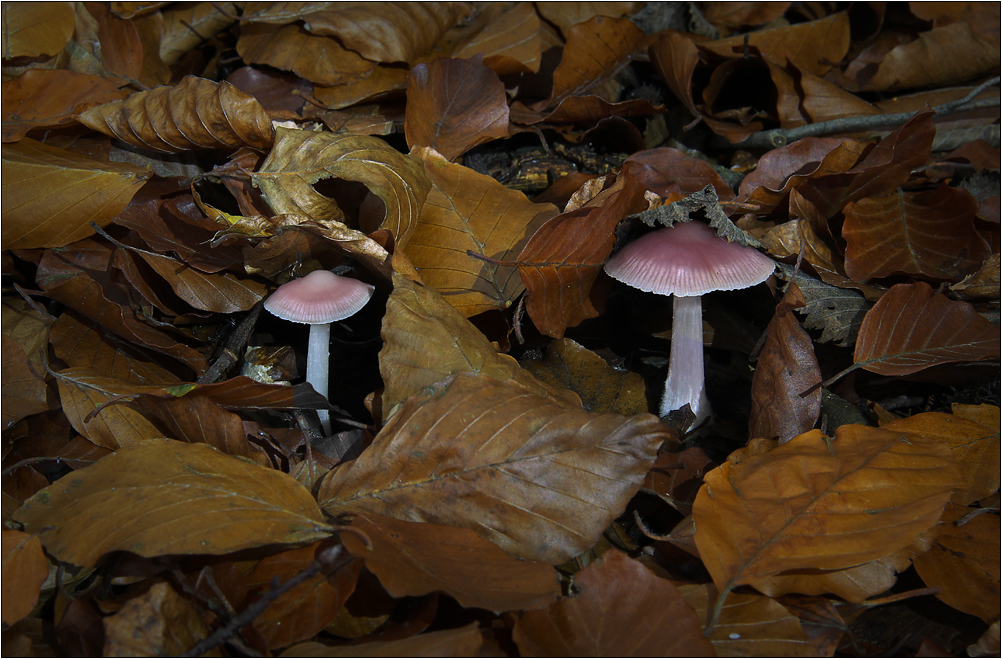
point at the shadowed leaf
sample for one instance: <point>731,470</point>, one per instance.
<point>158,623</point>
<point>43,98</point>
<point>596,50</point>
<point>25,569</point>
<point>509,38</point>
<point>318,59</point>
<point>23,386</point>
<point>463,642</point>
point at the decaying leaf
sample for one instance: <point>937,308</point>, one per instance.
<point>160,622</point>
<point>619,608</point>
<point>837,312</point>
<point>166,497</point>
<point>532,475</point>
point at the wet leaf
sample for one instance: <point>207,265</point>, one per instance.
<point>302,158</point>
<point>466,211</point>
<point>821,505</point>
<point>414,559</point>
<point>166,497</point>
<point>463,642</point>
<point>786,368</point>
<point>973,434</point>
<point>25,569</point>
<point>912,328</point>
<point>930,233</point>
<point>454,105</point>
<point>194,114</point>
<point>619,608</point>
<point>42,98</point>
<point>603,389</point>
<point>537,478</point>
<point>291,48</point>
<point>964,562</point>
<point>160,622</point>
<point>36,28</point>
<point>50,196</point>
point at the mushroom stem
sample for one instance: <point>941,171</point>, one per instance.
<point>317,361</point>
<point>685,382</point>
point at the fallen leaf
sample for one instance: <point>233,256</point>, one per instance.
<point>50,196</point>
<point>463,642</point>
<point>25,569</point>
<point>973,434</point>
<point>855,584</point>
<point>603,389</point>
<point>566,15</point>
<point>321,60</point>
<point>454,105</point>
<point>382,81</point>
<point>301,158</point>
<point>24,391</point>
<point>196,418</point>
<point>166,497</point>
<point>786,367</point>
<point>43,98</point>
<point>964,562</point>
<point>619,608</point>
<point>185,24</point>
<point>466,211</point>
<point>912,328</point>
<point>508,37</point>
<point>666,171</point>
<point>212,292</point>
<point>120,46</point>
<point>595,51</point>
<point>36,28</point>
<point>194,114</point>
<point>820,505</point>
<point>837,312</point>
<point>677,476</point>
<point>414,559</point>
<point>519,478</point>
<point>158,623</point>
<point>729,16</point>
<point>99,408</point>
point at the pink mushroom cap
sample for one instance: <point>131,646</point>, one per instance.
<point>320,297</point>
<point>688,259</point>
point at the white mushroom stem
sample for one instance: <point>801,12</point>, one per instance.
<point>685,382</point>
<point>317,362</point>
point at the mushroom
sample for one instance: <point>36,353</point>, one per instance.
<point>687,260</point>
<point>319,299</point>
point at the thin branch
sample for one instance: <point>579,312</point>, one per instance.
<point>779,137</point>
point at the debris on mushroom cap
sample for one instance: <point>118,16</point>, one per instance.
<point>320,297</point>
<point>688,259</point>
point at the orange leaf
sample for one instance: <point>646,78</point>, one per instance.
<point>25,569</point>
<point>321,60</point>
<point>31,29</point>
<point>454,105</point>
<point>43,98</point>
<point>509,38</point>
<point>667,171</point>
<point>619,608</point>
<point>596,50</point>
<point>912,328</point>
<point>414,559</point>
<point>534,476</point>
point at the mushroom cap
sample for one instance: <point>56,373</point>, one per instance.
<point>320,297</point>
<point>688,259</point>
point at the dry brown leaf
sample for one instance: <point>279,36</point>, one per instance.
<point>41,98</point>
<point>619,608</point>
<point>321,60</point>
<point>212,292</point>
<point>509,38</point>
<point>565,15</point>
<point>194,114</point>
<point>91,402</point>
<point>414,559</point>
<point>166,497</point>
<point>382,81</point>
<point>786,368</point>
<point>855,584</point>
<point>466,211</point>
<point>454,105</point>
<point>426,340</point>
<point>532,475</point>
<point>31,29</point>
<point>24,391</point>
<point>185,25</point>
<point>603,389</point>
<point>596,51</point>
<point>563,258</point>
<point>25,569</point>
<point>929,233</point>
<point>973,434</point>
<point>463,642</point>
<point>964,562</point>
<point>817,504</point>
<point>667,171</point>
<point>912,328</point>
<point>51,195</point>
<point>729,16</point>
<point>195,418</point>
<point>121,50</point>
<point>301,158</point>
<point>158,623</point>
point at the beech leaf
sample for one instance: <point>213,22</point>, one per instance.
<point>31,29</point>
<point>321,60</point>
<point>535,477</point>
<point>157,623</point>
<point>25,569</point>
<point>463,642</point>
<point>414,559</point>
<point>166,497</point>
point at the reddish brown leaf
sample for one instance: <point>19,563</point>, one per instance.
<point>596,50</point>
<point>619,609</point>
<point>929,233</point>
<point>463,642</point>
<point>534,476</point>
<point>786,368</point>
<point>25,568</point>
<point>509,38</point>
<point>668,171</point>
<point>121,49</point>
<point>160,622</point>
<point>211,292</point>
<point>912,328</point>
<point>382,81</point>
<point>413,559</point>
<point>588,109</point>
<point>195,418</point>
<point>36,28</point>
<point>194,114</point>
<point>454,105</point>
<point>43,98</point>
<point>565,15</point>
<point>676,477</point>
<point>562,259</point>
<point>318,59</point>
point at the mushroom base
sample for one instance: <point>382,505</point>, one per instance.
<point>685,382</point>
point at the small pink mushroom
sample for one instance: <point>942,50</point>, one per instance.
<point>687,260</point>
<point>319,299</point>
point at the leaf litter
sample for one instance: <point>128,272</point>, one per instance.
<point>495,483</point>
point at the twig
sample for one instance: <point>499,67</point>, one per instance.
<point>41,459</point>
<point>253,611</point>
<point>779,137</point>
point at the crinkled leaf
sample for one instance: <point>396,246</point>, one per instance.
<point>534,476</point>
<point>166,497</point>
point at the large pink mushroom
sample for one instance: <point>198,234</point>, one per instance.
<point>686,261</point>
<point>319,299</point>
